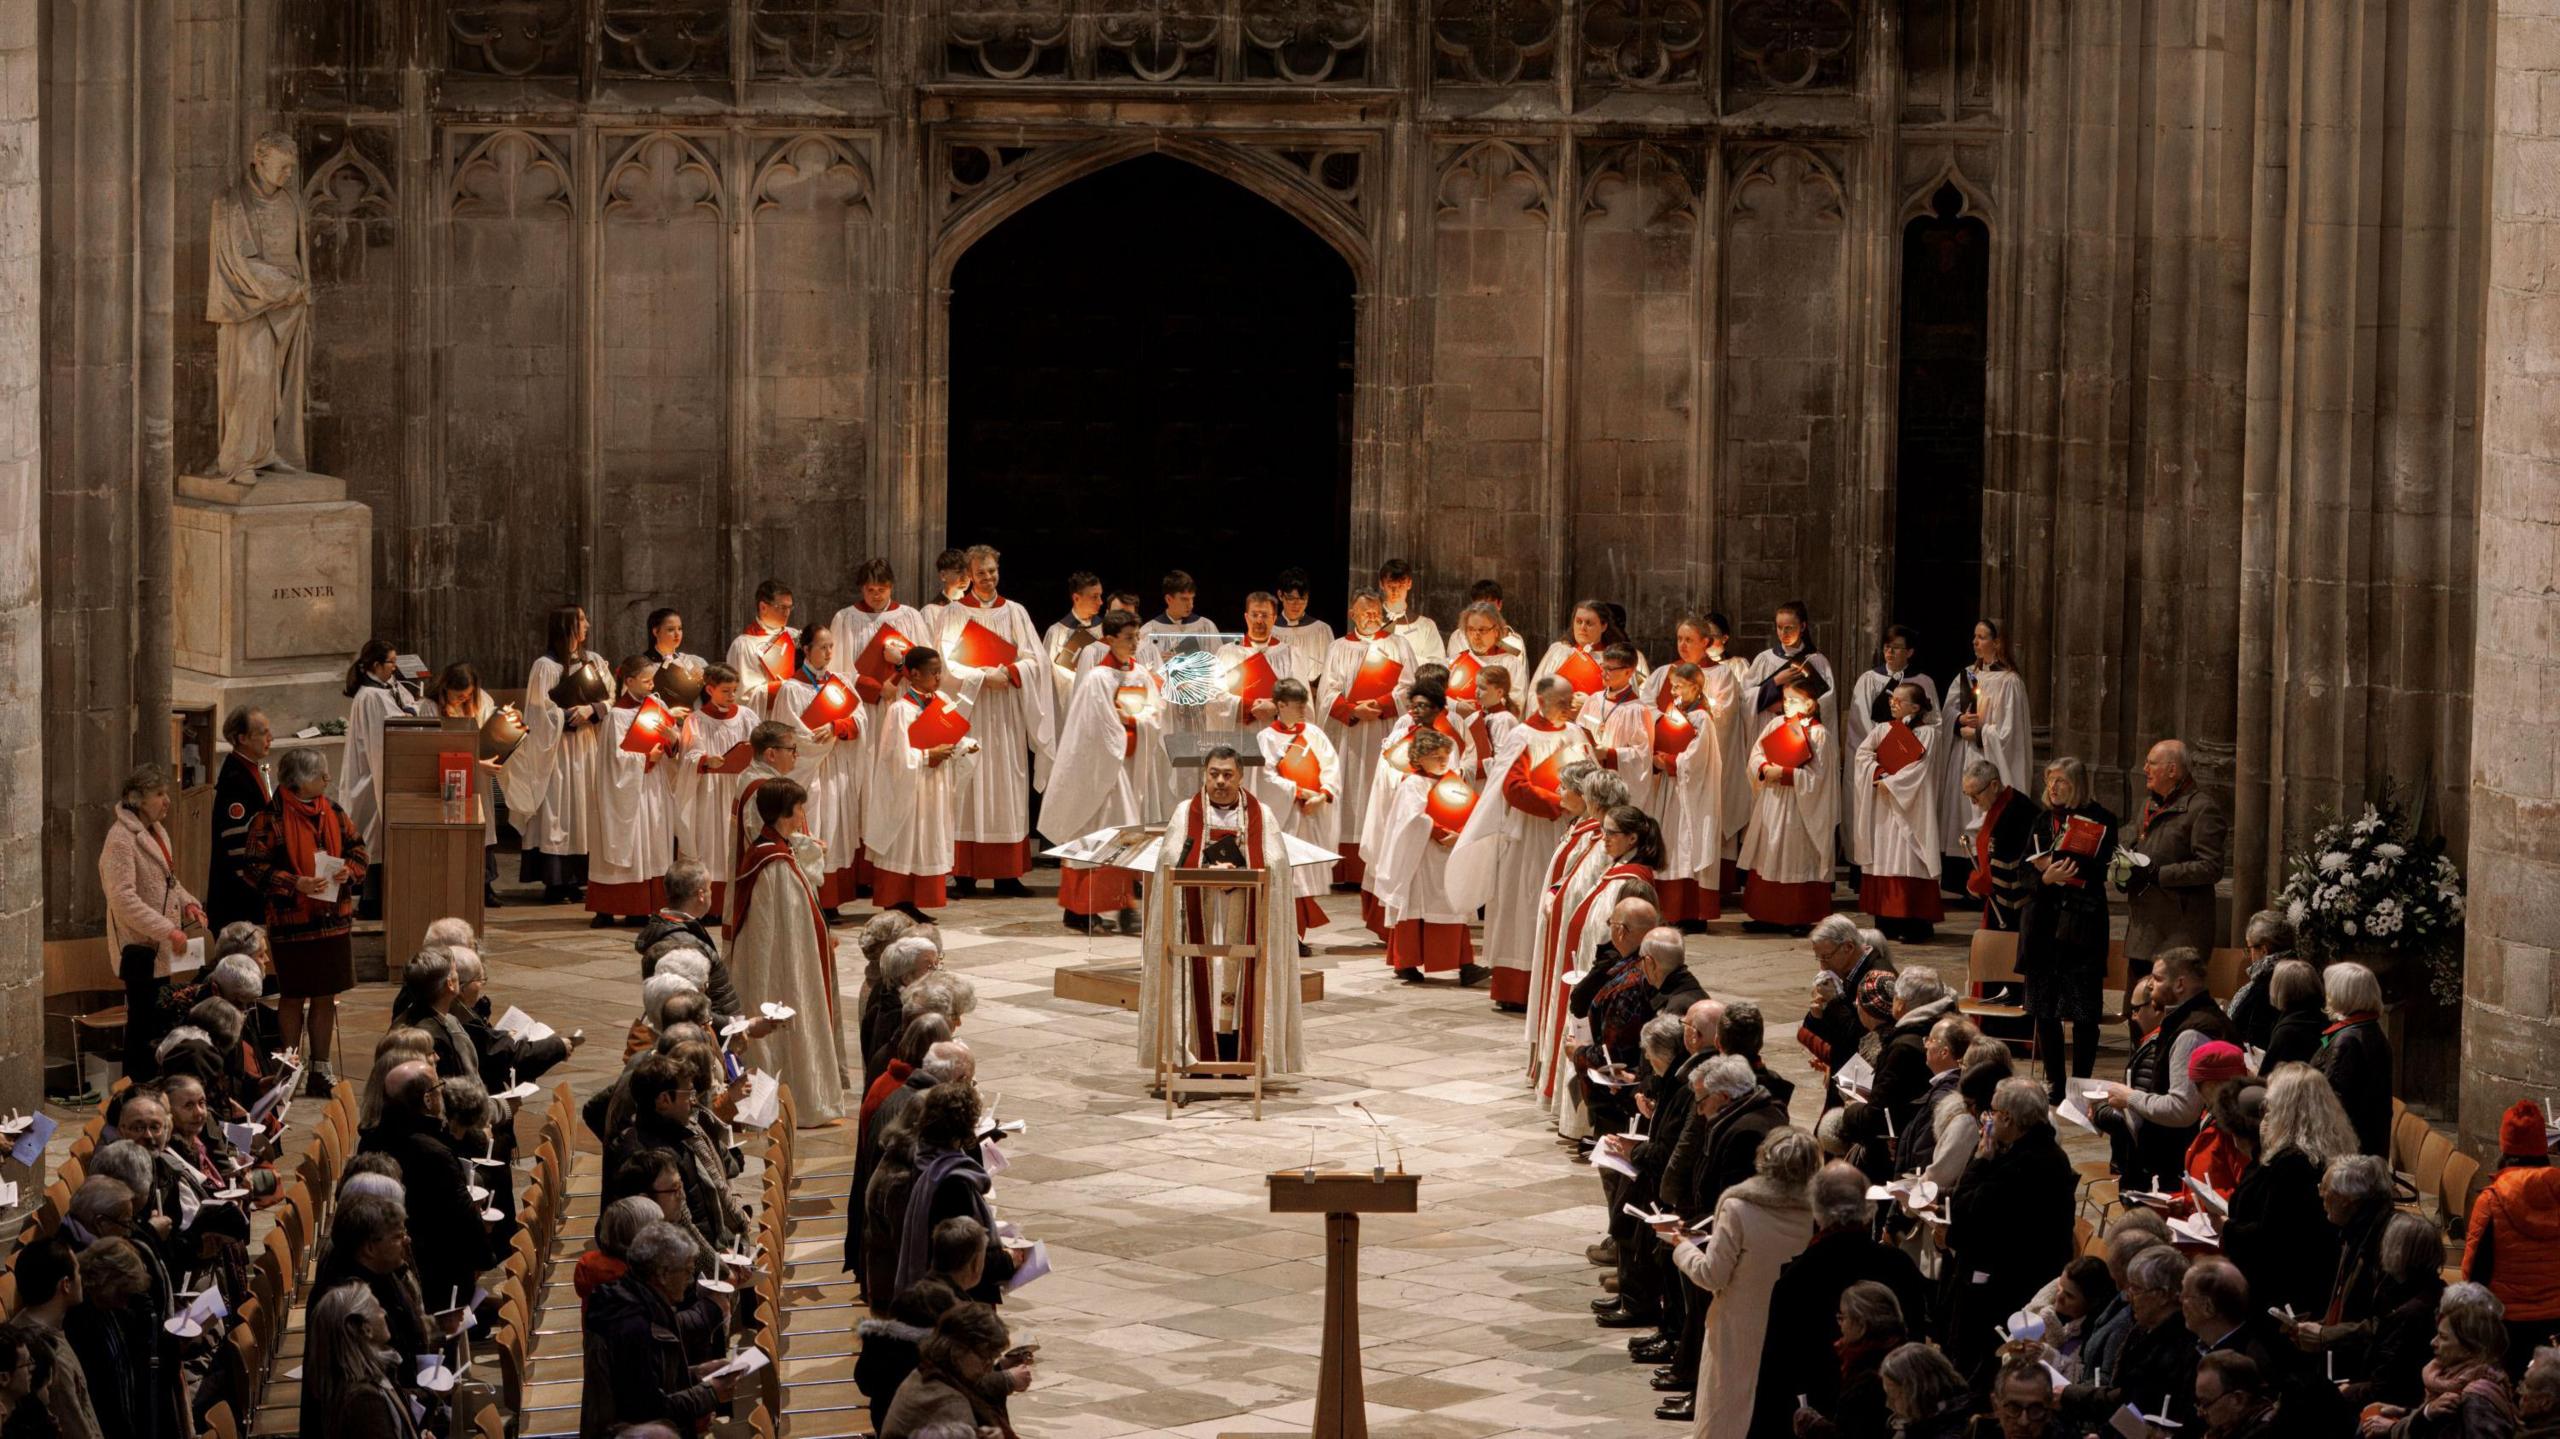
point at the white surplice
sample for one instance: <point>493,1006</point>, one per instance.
<point>1229,713</point>
<point>1282,1039</point>
<point>1318,826</point>
<point>1098,779</point>
<point>1501,859</point>
<point>635,809</point>
<point>704,802</point>
<point>360,772</point>
<point>1420,635</point>
<point>1009,716</point>
<point>1789,839</point>
<point>853,627</point>
<point>1310,640</point>
<point>909,805</point>
<point>764,659</point>
<point>1688,797</point>
<point>1856,718</point>
<point>1898,827</point>
<point>1410,874</point>
<point>1571,871</point>
<point>1358,741</point>
<point>836,770</point>
<point>551,778</point>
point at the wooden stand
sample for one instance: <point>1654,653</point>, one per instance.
<point>433,865</point>
<point>1341,1411</point>
<point>1207,1076</point>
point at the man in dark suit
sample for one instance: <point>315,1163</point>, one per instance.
<point>2184,836</point>
<point>240,791</point>
<point>1735,1114</point>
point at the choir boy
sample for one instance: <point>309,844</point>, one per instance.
<point>636,835</point>
<point>1871,704</point>
<point>995,662</point>
<point>773,753</point>
<point>835,761</point>
<point>1426,927</point>
<point>766,654</point>
<point>1395,588</point>
<point>1301,780</point>
<point>1706,640</point>
<point>1426,707</point>
<point>710,772</point>
<point>1687,792</point>
<point>876,613</point>
<point>1110,721</point>
<point>1897,766</point>
<point>1366,674</point>
<point>1310,638</point>
<point>1621,724</point>
<point>1787,849</point>
<point>1081,629</point>
<point>1501,859</point>
<point>920,763</point>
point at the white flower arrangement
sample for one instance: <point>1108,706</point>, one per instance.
<point>2371,883</point>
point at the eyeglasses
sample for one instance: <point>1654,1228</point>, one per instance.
<point>665,1193</point>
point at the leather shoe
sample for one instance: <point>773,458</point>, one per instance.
<point>1605,1252</point>
<point>1652,1349</point>
<point>1624,1318</point>
<point>1609,1305</point>
<point>1683,1409</point>
<point>1668,1380</point>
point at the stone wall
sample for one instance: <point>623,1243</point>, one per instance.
<point>22,765</point>
<point>2510,1037</point>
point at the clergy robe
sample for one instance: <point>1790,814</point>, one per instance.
<point>1502,858</point>
<point>480,779</point>
<point>1420,635</point>
<point>1898,829</point>
<point>1575,867</point>
<point>1299,745</point>
<point>551,778</point>
<point>1267,1015</point>
<point>764,659</point>
<point>1096,782</point>
<point>636,825</point>
<point>853,627</point>
<point>1356,739</point>
<point>785,954</point>
<point>1010,718</point>
<point>1310,639</point>
<point>835,767</point>
<point>1580,938</point>
<point>1453,643</point>
<point>1999,698</point>
<point>1426,926</point>
<point>360,773</point>
<point>1230,711</point>
<point>746,826</point>
<point>1865,709</point>
<point>1393,767</point>
<point>1062,682</point>
<point>1686,797</point>
<point>706,798</point>
<point>1787,849</point>
<point>1621,727</point>
<point>908,810</point>
<point>1465,666</point>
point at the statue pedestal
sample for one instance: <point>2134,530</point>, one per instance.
<point>274,595</point>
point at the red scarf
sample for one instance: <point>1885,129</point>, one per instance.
<point>1978,883</point>
<point>769,849</point>
<point>1573,944</point>
<point>2361,1016</point>
<point>310,830</point>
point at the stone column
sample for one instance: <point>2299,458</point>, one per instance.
<point>21,569</point>
<point>2510,1033</point>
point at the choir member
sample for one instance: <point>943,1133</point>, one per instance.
<point>1871,704</point>
<point>1404,616</point>
<point>1366,674</point>
<point>1496,715</point>
<point>1627,858</point>
<point>911,805</point>
<point>1897,828</point>
<point>1986,718</point>
<point>666,641</point>
<point>375,692</point>
<point>635,803</point>
<point>835,761</point>
<point>1426,707</point>
<point>456,694</point>
<point>1687,793</point>
<point>1576,657</point>
<point>551,779</point>
<point>1576,867</point>
<point>1706,640</point>
<point>1787,849</point>
<point>950,581</point>
<point>1301,782</point>
<point>1502,857</point>
<point>1223,826</point>
<point>876,609</point>
<point>2003,837</point>
<point>1253,665</point>
<point>1478,644</point>
<point>1110,719</point>
<point>1082,628</point>
<point>773,752</point>
<point>1487,594</point>
<point>1621,724</point>
<point>711,772</point>
<point>1792,660</point>
<point>785,954</point>
<point>1311,638</point>
<point>766,655</point>
<point>1426,928</point>
<point>1178,631</point>
<point>241,788</point>
<point>995,661</point>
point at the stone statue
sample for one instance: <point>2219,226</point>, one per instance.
<point>259,298</point>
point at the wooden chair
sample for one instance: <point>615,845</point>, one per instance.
<point>218,1423</point>
<point>2434,1153</point>
<point>2408,1135</point>
<point>489,1423</point>
<point>2223,971</point>
<point>2455,1190</point>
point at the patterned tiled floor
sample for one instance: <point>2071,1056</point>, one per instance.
<point>1179,1305</point>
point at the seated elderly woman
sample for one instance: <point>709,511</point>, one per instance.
<point>2466,1392</point>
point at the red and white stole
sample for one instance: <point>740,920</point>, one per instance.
<point>768,850</point>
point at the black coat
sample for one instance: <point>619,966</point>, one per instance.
<point>2009,1227</point>
<point>238,796</point>
<point>2155,1363</point>
<point>1901,1085</point>
<point>2293,1037</point>
<point>1837,1027</point>
<point>1804,1322</point>
<point>450,1241</point>
<point>2279,1236</point>
<point>699,1159</point>
<point>721,991</point>
<point>640,1358</point>
<point>866,1159</point>
<point>2394,1353</point>
<point>2358,1063</point>
<point>1729,1151</point>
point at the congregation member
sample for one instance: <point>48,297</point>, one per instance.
<point>2063,939</point>
<point>2269,938</point>
<point>993,653</point>
<point>1761,1225</point>
<point>2179,848</point>
<point>649,1337</point>
<point>350,1370</point>
<point>2511,1238</point>
<point>1104,731</point>
<point>453,1242</point>
<point>767,652</point>
<point>1986,721</point>
<point>2275,1229</point>
<point>310,920</point>
<point>2355,1054</point>
<point>921,762</point>
<point>148,911</point>
<point>2152,1117</point>
<point>2301,1016</point>
<point>2004,838</point>
<point>241,788</point>
<point>551,779</point>
<point>49,1293</point>
<point>1893,780</point>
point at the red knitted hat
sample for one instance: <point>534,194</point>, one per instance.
<point>2216,1060</point>
<point>2522,1131</point>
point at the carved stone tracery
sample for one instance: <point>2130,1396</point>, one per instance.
<point>1005,39</point>
<point>1643,44</point>
<point>1307,41</point>
<point>1791,44</point>
<point>815,39</point>
<point>1494,42</point>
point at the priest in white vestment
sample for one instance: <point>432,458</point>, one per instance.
<point>1211,1011</point>
<point>784,954</point>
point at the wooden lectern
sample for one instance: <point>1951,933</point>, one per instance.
<point>431,850</point>
<point>1342,1198</point>
<point>1207,1074</point>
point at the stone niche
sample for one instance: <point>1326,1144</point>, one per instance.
<point>274,596</point>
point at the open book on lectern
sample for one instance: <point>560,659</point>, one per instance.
<point>1139,847</point>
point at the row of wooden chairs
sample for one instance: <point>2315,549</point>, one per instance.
<point>1992,963</point>
<point>541,1205</point>
<point>773,1219</point>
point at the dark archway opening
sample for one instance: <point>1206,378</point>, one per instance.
<point>1151,369</point>
<point>1937,528</point>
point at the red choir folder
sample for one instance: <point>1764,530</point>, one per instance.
<point>1672,731</point>
<point>1253,679</point>
<point>1398,756</point>
<point>1462,675</point>
<point>981,648</point>
<point>1547,773</point>
<point>2081,835</point>
<point>878,662</point>
<point>1450,802</point>
<point>1299,766</point>
<point>833,701</point>
<point>1581,671</point>
<point>941,723</point>
<point>1899,748</point>
<point>453,773</point>
<point>1788,746</point>
<point>739,756</point>
<point>651,730</point>
<point>1377,677</point>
